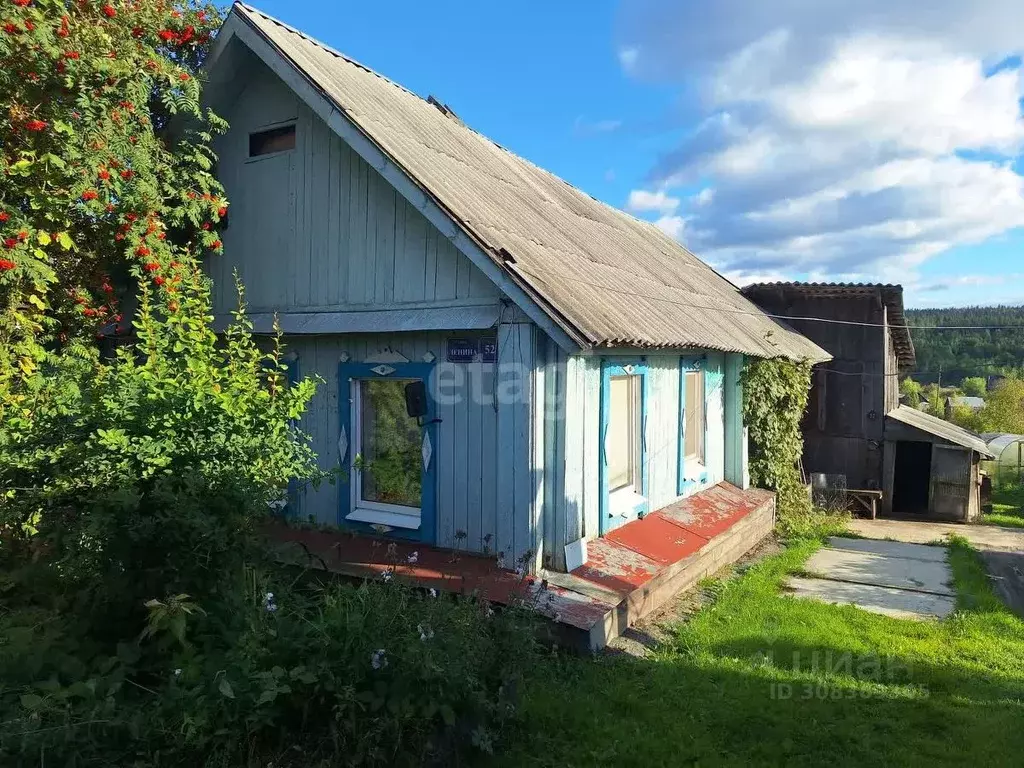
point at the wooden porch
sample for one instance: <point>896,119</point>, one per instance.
<point>628,574</point>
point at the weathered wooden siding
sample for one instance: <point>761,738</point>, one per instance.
<point>843,429</point>
<point>485,491</point>
<point>572,457</point>
<point>317,229</point>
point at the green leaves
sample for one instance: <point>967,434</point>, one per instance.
<point>225,689</point>
<point>775,394</point>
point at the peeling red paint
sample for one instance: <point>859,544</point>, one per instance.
<point>658,538</point>
<point>617,565</point>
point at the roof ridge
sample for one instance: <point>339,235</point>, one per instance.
<point>461,122</point>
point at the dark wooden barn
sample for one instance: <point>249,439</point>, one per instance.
<point>855,429</point>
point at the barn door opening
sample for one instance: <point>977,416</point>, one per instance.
<point>912,480</point>
<point>951,482</point>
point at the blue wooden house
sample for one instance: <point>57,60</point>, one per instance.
<point>580,368</point>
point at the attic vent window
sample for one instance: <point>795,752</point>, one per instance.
<point>273,140</point>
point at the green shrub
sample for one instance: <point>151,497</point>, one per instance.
<point>308,674</point>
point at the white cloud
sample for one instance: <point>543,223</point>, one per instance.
<point>672,226</point>
<point>640,201</point>
<point>839,138</point>
<point>584,127</point>
<point>628,57</point>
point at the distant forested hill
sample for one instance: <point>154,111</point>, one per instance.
<point>967,353</point>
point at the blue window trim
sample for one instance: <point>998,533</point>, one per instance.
<point>684,484</point>
<point>427,532</point>
<point>618,367</point>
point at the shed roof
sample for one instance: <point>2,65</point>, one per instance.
<point>970,402</point>
<point>940,428</point>
<point>606,278</point>
<point>890,295</point>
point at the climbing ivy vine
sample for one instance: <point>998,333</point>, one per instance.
<point>775,394</point>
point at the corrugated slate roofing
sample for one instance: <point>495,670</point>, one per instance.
<point>607,278</point>
<point>940,428</point>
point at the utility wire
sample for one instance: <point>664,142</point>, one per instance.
<point>691,305</point>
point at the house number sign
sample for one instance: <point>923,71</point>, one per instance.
<point>465,350</point>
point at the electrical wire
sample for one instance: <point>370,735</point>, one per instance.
<point>691,305</point>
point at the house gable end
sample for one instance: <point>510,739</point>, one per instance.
<point>315,229</point>
<point>446,245</point>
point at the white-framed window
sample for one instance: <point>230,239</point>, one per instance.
<point>387,468</point>
<point>695,425</point>
<point>624,442</point>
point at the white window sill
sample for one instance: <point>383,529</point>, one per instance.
<point>379,517</point>
<point>625,502</point>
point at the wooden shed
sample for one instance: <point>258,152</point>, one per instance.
<point>855,429</point>
<point>932,467</point>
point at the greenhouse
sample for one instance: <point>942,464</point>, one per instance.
<point>1009,452</point>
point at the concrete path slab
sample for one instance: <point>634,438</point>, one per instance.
<point>898,603</point>
<point>989,537</point>
<point>1006,569</point>
<point>882,570</point>
<point>890,549</point>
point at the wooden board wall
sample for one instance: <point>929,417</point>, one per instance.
<point>318,229</point>
<point>485,477</point>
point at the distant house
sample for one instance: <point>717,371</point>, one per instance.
<point>508,364</point>
<point>974,403</point>
<point>855,427</point>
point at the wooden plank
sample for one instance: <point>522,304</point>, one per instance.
<point>458,468</point>
<point>538,463</point>
<point>474,455</point>
<point>523,476</point>
<point>506,427</point>
<point>491,454</point>
<point>554,533</point>
<point>572,510</point>
<point>357,250</point>
<point>431,244</point>
<point>447,271</point>
<point>591,458</point>
<point>384,256</point>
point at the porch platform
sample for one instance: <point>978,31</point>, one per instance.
<point>629,573</point>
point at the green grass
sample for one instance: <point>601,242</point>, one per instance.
<point>757,678</point>
<point>1007,507</point>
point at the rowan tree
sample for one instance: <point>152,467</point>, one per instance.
<point>106,165</point>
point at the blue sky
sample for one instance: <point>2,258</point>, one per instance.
<point>778,139</point>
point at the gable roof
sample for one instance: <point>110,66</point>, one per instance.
<point>890,295</point>
<point>604,277</point>
<point>933,425</point>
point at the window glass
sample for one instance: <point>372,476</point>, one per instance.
<point>273,140</point>
<point>695,416</point>
<point>623,436</point>
<point>390,445</point>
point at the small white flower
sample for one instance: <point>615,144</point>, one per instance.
<point>269,596</point>
<point>386,576</point>
<point>520,571</point>
<point>426,633</point>
<point>378,659</point>
<point>177,672</point>
<point>433,592</point>
<point>490,611</point>
<point>268,602</point>
<point>414,557</point>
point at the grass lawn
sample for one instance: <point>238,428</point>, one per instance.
<point>757,678</point>
<point>1007,507</point>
